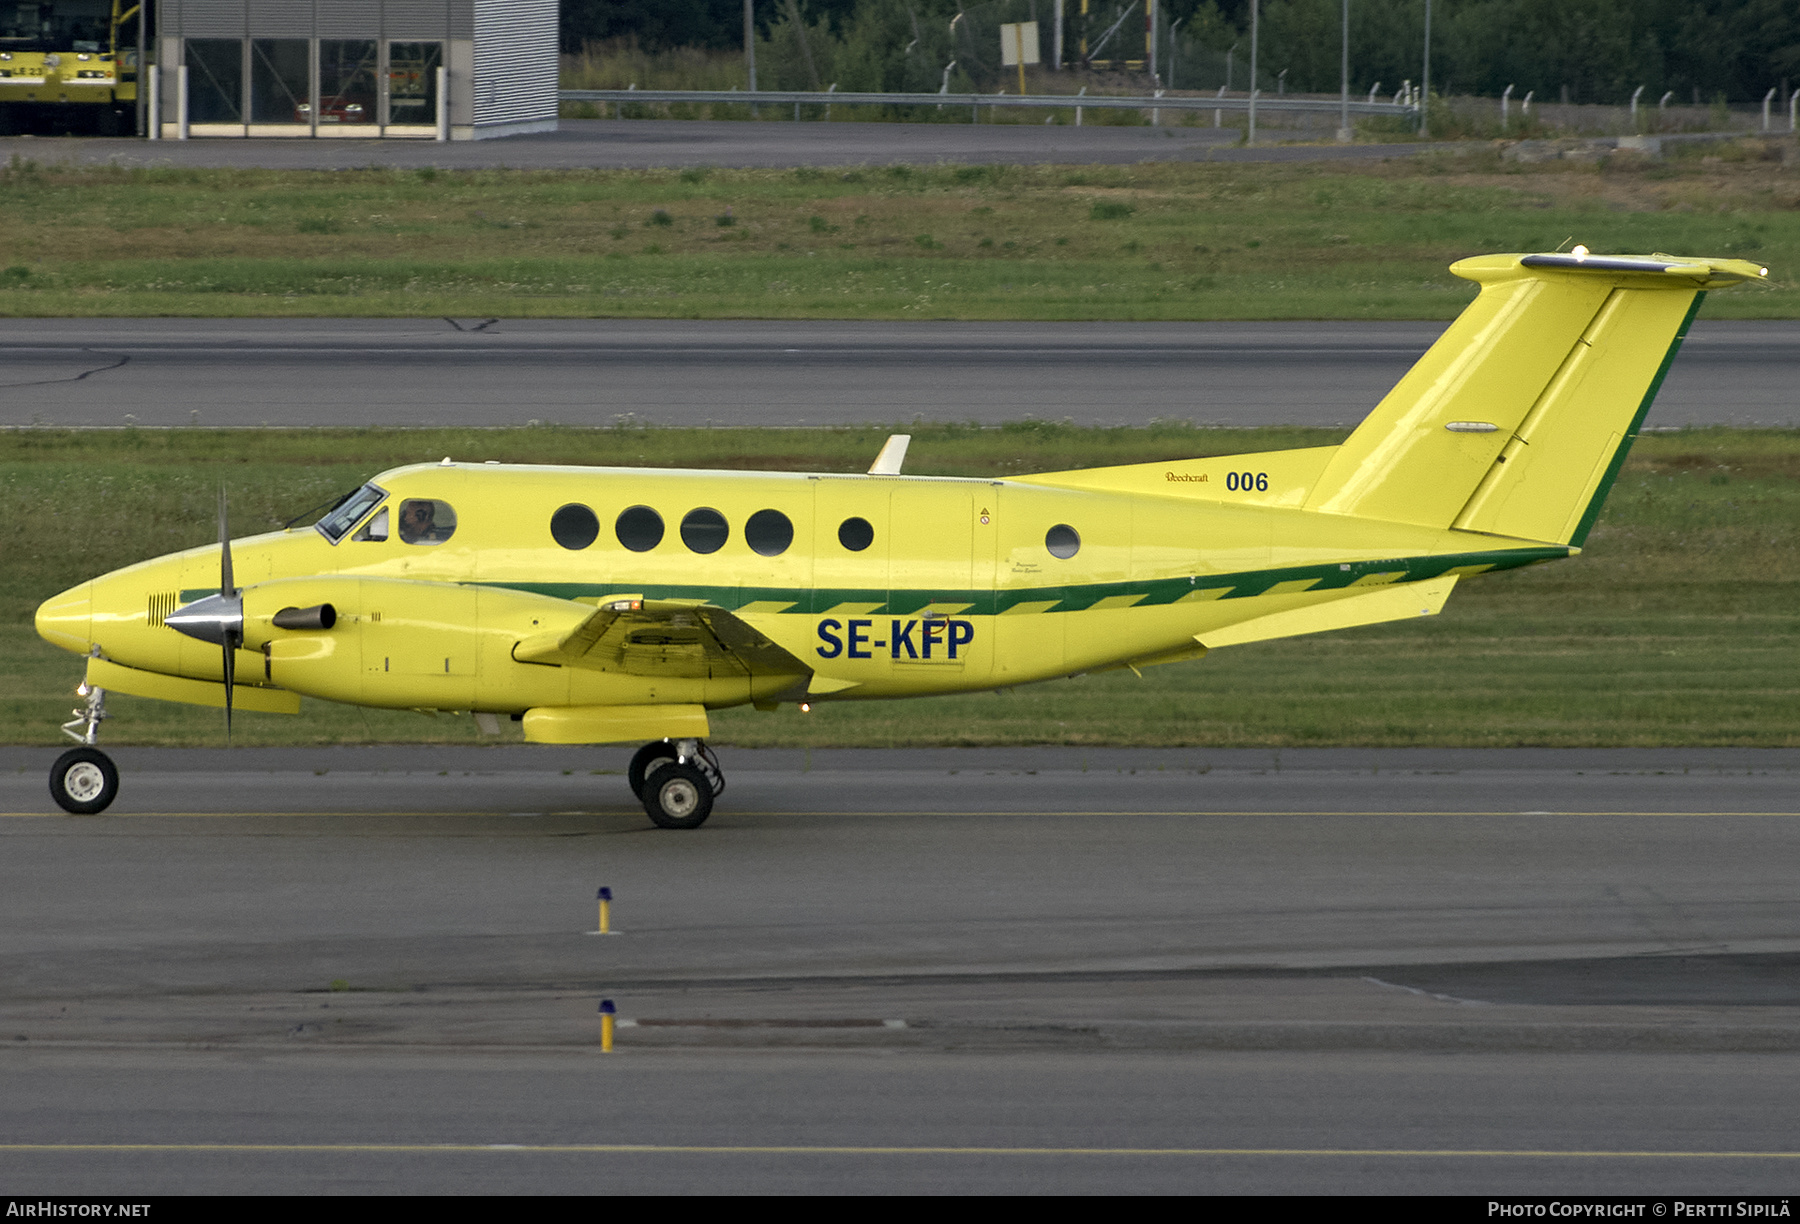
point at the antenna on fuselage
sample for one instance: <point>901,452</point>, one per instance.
<point>892,456</point>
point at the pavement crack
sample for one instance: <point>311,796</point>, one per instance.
<point>478,327</point>
<point>45,382</point>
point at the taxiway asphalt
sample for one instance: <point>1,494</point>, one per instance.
<point>474,372</point>
<point>1022,970</point>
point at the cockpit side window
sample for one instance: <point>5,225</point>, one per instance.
<point>376,528</point>
<point>350,512</point>
<point>425,521</point>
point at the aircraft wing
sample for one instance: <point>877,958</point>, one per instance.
<point>663,637</point>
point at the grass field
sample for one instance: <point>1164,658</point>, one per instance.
<point>1680,624</point>
<point>1152,241</point>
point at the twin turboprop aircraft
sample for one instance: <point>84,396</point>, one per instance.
<point>609,605</point>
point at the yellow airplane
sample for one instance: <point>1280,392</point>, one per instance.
<point>608,605</point>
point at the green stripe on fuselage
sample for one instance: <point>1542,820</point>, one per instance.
<point>818,601</point>
<point>807,601</point>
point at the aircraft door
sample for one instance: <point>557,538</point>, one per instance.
<point>1028,636</point>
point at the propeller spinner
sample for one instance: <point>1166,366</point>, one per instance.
<point>217,618</point>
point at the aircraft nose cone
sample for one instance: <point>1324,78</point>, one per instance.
<point>66,620</point>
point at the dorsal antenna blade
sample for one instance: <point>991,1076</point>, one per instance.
<point>892,456</point>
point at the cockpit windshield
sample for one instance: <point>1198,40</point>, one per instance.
<point>349,512</point>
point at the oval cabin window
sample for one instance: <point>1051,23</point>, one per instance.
<point>855,534</point>
<point>639,528</point>
<point>574,526</point>
<point>705,530</point>
<point>769,532</point>
<point>1063,541</point>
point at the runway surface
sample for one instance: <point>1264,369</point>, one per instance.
<point>646,143</point>
<point>167,372</point>
<point>1028,970</point>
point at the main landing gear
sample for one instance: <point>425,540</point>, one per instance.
<point>84,780</point>
<point>677,780</point>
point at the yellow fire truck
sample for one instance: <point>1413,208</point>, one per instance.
<point>69,66</point>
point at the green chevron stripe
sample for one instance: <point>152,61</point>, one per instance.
<point>810,601</point>
<point>817,601</point>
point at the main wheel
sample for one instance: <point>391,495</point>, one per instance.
<point>84,781</point>
<point>678,797</point>
<point>648,760</point>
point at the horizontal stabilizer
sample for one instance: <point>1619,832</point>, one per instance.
<point>1402,601</point>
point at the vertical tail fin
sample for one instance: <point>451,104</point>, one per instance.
<point>1517,419</point>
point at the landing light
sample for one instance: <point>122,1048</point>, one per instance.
<point>1580,252</point>
<point>806,707</point>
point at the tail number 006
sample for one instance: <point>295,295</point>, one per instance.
<point>1246,482</point>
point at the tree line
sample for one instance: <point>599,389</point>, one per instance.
<point>1586,50</point>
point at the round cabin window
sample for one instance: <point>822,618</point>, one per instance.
<point>639,528</point>
<point>855,534</point>
<point>769,532</point>
<point>574,526</point>
<point>704,530</point>
<point>1063,541</point>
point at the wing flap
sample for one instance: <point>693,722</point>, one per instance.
<point>663,637</point>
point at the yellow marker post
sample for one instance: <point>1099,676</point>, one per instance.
<point>604,896</point>
<point>607,1012</point>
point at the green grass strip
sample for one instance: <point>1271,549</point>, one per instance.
<point>1172,240</point>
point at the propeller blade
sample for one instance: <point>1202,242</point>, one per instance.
<point>227,589</point>
<point>226,586</point>
<point>231,645</point>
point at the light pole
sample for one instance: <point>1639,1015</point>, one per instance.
<point>1250,131</point>
<point>1425,86</point>
<point>750,40</point>
<point>1344,134</point>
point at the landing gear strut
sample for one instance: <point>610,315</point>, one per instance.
<point>84,780</point>
<point>677,780</point>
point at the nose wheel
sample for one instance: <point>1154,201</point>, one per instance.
<point>84,781</point>
<point>677,781</point>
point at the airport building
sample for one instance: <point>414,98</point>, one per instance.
<point>427,69</point>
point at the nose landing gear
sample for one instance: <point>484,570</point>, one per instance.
<point>678,781</point>
<point>84,780</point>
